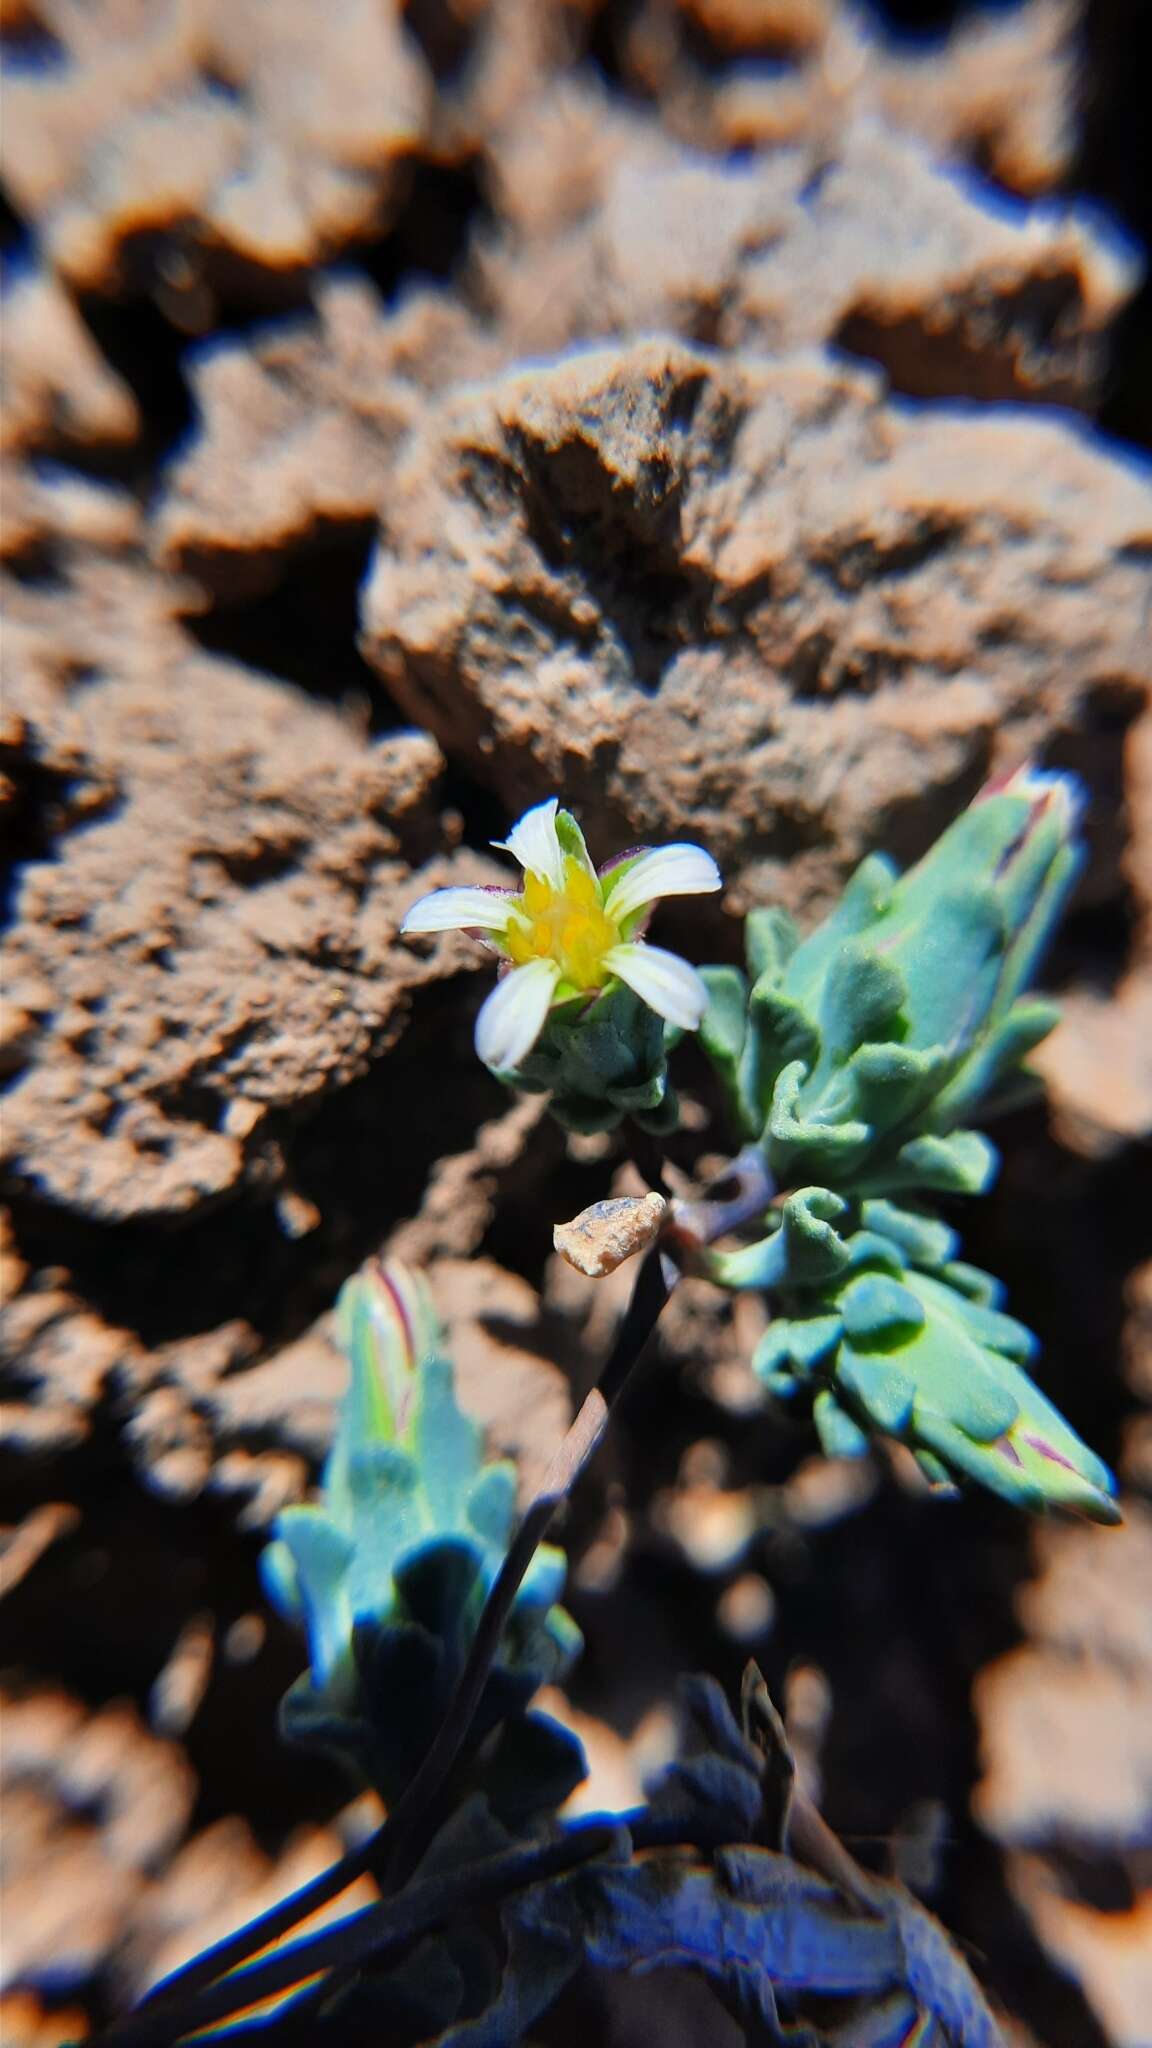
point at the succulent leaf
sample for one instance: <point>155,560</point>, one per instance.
<point>871,1043</point>
<point>770,939</point>
<point>908,1342</point>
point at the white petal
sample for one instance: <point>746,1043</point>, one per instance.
<point>534,844</point>
<point>681,870</point>
<point>662,980</point>
<point>512,1019</point>
<point>459,910</point>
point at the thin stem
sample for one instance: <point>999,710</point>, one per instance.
<point>702,1222</point>
<point>255,1935</point>
<point>375,1932</point>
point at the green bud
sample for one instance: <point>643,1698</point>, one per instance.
<point>867,1047</point>
<point>603,1061</point>
<point>396,1558</point>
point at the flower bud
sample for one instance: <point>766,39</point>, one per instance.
<point>389,1571</point>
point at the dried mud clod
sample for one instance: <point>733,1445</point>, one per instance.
<point>213,935</point>
<point>750,600</point>
<point>999,90</point>
<point>1066,1732</point>
<point>300,432</point>
<point>259,134</point>
<point>603,224</point>
<point>864,240</point>
<point>103,1881</point>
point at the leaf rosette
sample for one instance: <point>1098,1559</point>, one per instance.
<point>856,1056</point>
<point>389,1570</point>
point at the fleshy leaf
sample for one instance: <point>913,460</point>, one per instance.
<point>840,1436</point>
<point>770,939</point>
<point>964,1163</point>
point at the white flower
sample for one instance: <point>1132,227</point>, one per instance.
<point>570,931</point>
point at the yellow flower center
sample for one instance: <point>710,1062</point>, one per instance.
<point>568,925</point>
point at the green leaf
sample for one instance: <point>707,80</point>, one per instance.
<point>878,1312</point>
<point>973,1282</point>
<point>781,1037</point>
<point>446,1443</point>
<point>389,1517</point>
<point>922,1240</point>
<point>995,1061</point>
<point>322,1560</point>
<point>861,1002</point>
<point>840,1436</point>
<point>770,939</point>
<point>866,896</point>
<point>885,1393</point>
<point>989,1327</point>
<point>811,1338</point>
<point>803,1251</point>
<point>964,1163</point>
<point>491,1509</point>
<point>951,958</point>
<point>793,1139</point>
<point>725,1020</point>
<point>722,1032</point>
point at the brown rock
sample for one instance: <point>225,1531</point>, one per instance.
<point>64,510</point>
<point>106,1765</point>
<point>55,386</point>
<point>1138,1334</point>
<point>219,1881</point>
<point>504,1374</point>
<point>22,1547</point>
<point>748,601</point>
<point>260,132</point>
<point>301,429</point>
<point>464,1187</point>
<point>219,938</point>
<point>62,1358</point>
<point>1066,1721</point>
<point>1108,1953</point>
<point>1066,1735</point>
<point>1000,90</point>
<point>866,242</point>
<point>100,1880</point>
<point>1097,1066</point>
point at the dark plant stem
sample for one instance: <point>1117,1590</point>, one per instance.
<point>376,1932</point>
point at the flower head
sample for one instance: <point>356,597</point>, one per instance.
<point>570,930</point>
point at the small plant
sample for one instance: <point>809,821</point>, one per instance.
<point>853,1062</point>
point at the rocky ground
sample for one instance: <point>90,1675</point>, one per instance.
<point>731,413</point>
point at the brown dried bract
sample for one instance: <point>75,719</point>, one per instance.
<point>602,1236</point>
